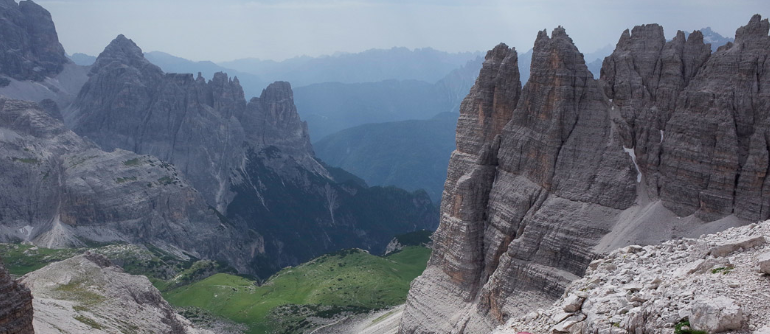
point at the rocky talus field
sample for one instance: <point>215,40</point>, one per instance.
<point>715,283</point>
<point>89,294</point>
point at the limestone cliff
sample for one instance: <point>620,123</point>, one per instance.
<point>33,65</point>
<point>60,190</point>
<point>669,142</point>
<point>15,306</point>
<point>30,48</point>
<point>252,161</point>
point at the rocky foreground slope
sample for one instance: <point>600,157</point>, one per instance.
<point>716,283</point>
<point>88,294</point>
<point>670,142</point>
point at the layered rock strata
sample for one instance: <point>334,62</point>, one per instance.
<point>33,65</point>
<point>30,48</point>
<point>669,142</point>
<point>252,161</point>
<point>60,190</point>
<point>15,306</point>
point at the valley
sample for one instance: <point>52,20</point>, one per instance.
<point>388,190</point>
<point>325,290</point>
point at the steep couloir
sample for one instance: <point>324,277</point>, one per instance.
<point>670,142</point>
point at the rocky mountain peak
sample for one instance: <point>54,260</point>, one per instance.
<point>559,32</point>
<point>29,45</point>
<point>252,162</point>
<point>124,52</point>
<point>499,52</point>
<point>670,142</point>
<point>275,113</point>
<point>756,28</point>
<point>277,91</point>
<point>496,91</point>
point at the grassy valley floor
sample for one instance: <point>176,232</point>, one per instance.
<point>323,291</point>
<point>302,297</point>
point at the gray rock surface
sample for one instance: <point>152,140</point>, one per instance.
<point>60,190</point>
<point>88,294</point>
<point>29,45</point>
<point>668,143</point>
<point>15,306</point>
<point>252,161</point>
<point>652,289</point>
<point>33,65</point>
<point>764,263</point>
<point>375,322</point>
<point>61,88</point>
<point>716,315</point>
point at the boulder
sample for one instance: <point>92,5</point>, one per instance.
<point>729,247</point>
<point>763,260</point>
<point>715,315</point>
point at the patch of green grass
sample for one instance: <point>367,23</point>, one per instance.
<point>132,162</point>
<point>27,160</point>
<point>78,291</point>
<point>79,160</point>
<point>88,321</point>
<point>723,270</point>
<point>22,259</point>
<point>166,180</point>
<point>80,308</point>
<point>683,327</point>
<point>352,279</point>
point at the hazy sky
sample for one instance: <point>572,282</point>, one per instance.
<point>278,29</point>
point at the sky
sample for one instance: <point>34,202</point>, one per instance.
<point>225,30</point>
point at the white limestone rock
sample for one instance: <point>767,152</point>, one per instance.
<point>716,315</point>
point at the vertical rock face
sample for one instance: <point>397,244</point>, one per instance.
<point>582,166</point>
<point>15,306</point>
<point>131,104</point>
<point>201,127</point>
<point>30,48</point>
<point>252,161</point>
<point>60,190</point>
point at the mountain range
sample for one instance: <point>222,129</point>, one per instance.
<point>373,65</point>
<point>179,163</point>
<point>410,154</point>
<point>670,142</point>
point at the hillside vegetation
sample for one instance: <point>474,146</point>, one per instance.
<point>350,281</point>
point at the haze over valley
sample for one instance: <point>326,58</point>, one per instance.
<point>381,167</point>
